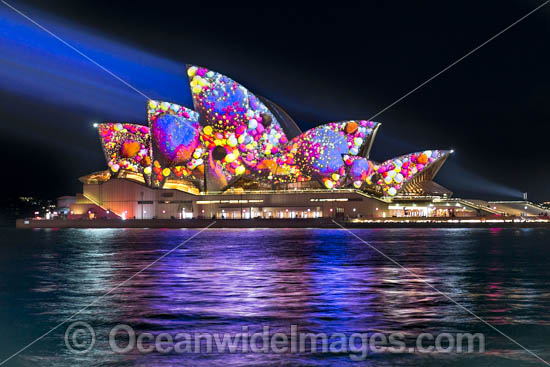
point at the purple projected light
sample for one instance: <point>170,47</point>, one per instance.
<point>176,138</point>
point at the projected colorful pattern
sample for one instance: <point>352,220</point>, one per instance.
<point>236,124</point>
<point>233,134</point>
<point>176,149</point>
<point>320,153</point>
<point>126,146</point>
<point>392,174</point>
<point>359,169</point>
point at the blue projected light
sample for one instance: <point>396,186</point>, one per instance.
<point>35,64</point>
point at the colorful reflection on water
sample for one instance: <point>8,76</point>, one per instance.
<point>321,280</point>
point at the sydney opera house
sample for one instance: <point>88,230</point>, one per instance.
<point>239,155</point>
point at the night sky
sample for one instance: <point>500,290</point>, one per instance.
<point>319,64</point>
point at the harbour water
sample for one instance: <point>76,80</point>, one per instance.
<point>320,280</point>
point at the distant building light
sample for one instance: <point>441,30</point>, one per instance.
<point>95,125</point>
<point>107,211</point>
<point>452,151</point>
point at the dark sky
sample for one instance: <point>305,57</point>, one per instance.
<point>321,65</point>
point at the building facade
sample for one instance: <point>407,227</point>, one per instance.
<point>237,155</point>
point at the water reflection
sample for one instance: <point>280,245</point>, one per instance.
<point>321,280</point>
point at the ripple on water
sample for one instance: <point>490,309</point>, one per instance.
<point>321,280</point>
